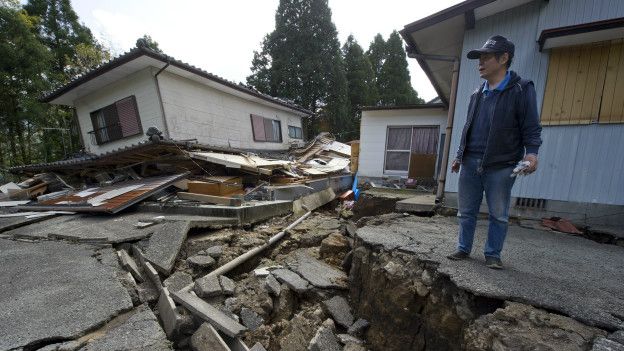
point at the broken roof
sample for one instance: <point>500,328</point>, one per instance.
<point>442,34</point>
<point>141,57</point>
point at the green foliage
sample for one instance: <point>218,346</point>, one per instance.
<point>301,61</point>
<point>361,83</point>
<point>148,42</point>
<point>43,46</point>
<point>393,80</point>
<point>377,53</point>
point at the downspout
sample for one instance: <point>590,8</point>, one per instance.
<point>450,116</point>
<point>162,107</point>
<point>449,131</point>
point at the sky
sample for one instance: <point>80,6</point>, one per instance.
<point>221,36</point>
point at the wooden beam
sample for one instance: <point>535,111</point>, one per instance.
<point>220,200</point>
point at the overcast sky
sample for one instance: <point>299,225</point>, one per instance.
<point>220,36</point>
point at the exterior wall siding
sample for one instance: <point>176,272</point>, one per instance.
<point>581,163</point>
<point>373,130</point>
<point>196,111</point>
<point>139,84</point>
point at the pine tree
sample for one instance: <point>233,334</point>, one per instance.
<point>361,82</point>
<point>393,80</point>
<point>301,61</point>
<point>377,53</point>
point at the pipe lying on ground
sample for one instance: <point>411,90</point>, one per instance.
<point>253,252</point>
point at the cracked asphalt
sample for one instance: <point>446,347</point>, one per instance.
<point>571,275</point>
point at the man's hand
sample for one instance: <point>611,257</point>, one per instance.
<point>455,166</point>
<point>532,158</point>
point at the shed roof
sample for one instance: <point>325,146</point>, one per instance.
<point>140,58</point>
<point>442,34</point>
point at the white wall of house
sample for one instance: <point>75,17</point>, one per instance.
<point>141,85</point>
<point>196,111</point>
<point>373,133</point>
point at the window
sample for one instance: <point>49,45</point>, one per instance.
<point>412,149</point>
<point>116,121</point>
<point>585,84</point>
<point>295,132</point>
<point>265,129</point>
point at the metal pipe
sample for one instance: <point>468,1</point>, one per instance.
<point>162,108</point>
<point>251,253</point>
<point>449,131</point>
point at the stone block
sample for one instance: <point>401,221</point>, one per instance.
<point>207,286</point>
<point>324,340</point>
<point>338,308</point>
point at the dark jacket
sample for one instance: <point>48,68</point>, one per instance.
<point>514,125</point>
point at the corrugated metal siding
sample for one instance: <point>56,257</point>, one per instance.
<point>577,163</point>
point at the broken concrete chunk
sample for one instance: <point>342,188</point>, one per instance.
<point>140,332</point>
<point>251,319</point>
<point>292,279</point>
<point>272,285</point>
<point>207,286</point>
<point>338,308</point>
<point>209,313</point>
<point>201,261</point>
<point>235,344</point>
<point>206,338</point>
<point>354,347</point>
<point>147,292</point>
<point>349,339</point>
<point>130,265</point>
<point>334,247</point>
<point>358,327</point>
<point>604,344</point>
<point>177,281</point>
<point>214,251</point>
<point>617,336</point>
<point>319,273</point>
<point>227,285</point>
<point>165,244</point>
<point>324,340</point>
<point>168,314</point>
<point>257,347</point>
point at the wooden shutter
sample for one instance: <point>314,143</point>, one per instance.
<point>576,76</point>
<point>128,115</point>
<point>612,106</point>
<point>112,123</point>
<point>257,125</point>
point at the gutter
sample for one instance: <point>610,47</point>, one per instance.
<point>162,107</point>
<point>450,116</point>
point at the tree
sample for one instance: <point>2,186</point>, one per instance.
<point>360,82</point>
<point>377,53</point>
<point>301,61</point>
<point>22,78</point>
<point>393,80</point>
<point>148,42</point>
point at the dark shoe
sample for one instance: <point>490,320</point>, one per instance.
<point>493,263</point>
<point>458,256</point>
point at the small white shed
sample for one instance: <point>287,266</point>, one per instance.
<point>403,141</point>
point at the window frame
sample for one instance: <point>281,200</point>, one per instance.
<point>273,123</point>
<point>115,128</point>
<point>386,171</point>
<point>294,129</point>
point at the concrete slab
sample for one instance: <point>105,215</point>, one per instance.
<point>289,192</point>
<point>130,265</point>
<point>178,280</point>
<point>419,203</point>
<point>324,340</point>
<point>168,315</point>
<point>209,313</point>
<point>340,311</point>
<point>207,286</point>
<point>140,332</point>
<point>55,290</point>
<point>292,279</point>
<point>248,213</point>
<point>165,244</point>
<point>560,272</point>
<point>318,273</point>
<point>206,338</point>
<point>16,222</point>
<point>313,201</point>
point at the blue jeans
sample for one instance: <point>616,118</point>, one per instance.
<point>497,184</point>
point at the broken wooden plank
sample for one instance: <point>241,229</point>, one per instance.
<point>220,200</point>
<point>210,314</point>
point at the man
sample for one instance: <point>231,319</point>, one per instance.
<point>502,128</point>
